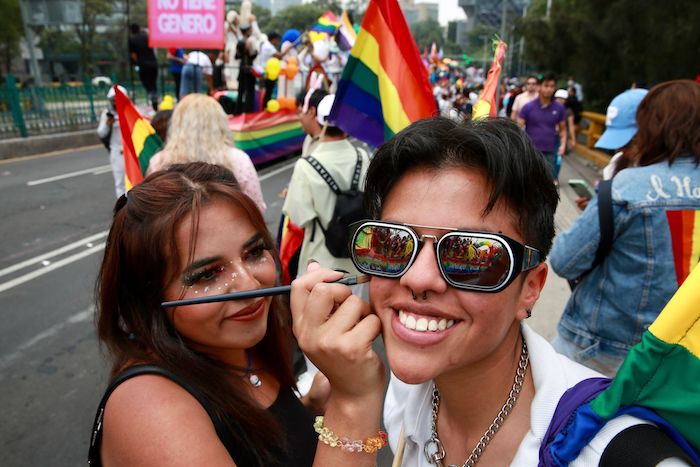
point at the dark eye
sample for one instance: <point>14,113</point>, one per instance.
<point>257,250</point>
<point>203,275</point>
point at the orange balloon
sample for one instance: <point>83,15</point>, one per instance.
<point>291,70</point>
<point>291,60</point>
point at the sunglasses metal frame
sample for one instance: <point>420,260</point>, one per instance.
<point>525,256</point>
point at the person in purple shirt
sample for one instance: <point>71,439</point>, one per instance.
<point>544,120</point>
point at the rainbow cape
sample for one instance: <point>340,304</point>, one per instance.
<point>486,105</point>
<point>265,136</point>
<point>384,86</point>
<point>659,381</point>
<point>139,140</point>
<point>290,237</point>
<point>327,23</point>
<point>684,227</point>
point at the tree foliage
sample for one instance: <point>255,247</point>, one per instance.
<point>10,31</point>
<point>299,17</point>
<point>608,44</point>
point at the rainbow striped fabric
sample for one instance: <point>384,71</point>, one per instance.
<point>384,86</point>
<point>685,238</point>
<point>139,140</point>
<point>658,381</point>
<point>265,136</point>
<point>486,105</point>
<point>327,23</point>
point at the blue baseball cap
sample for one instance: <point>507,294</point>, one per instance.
<point>621,120</point>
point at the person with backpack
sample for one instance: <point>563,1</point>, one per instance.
<point>460,222</point>
<point>313,199</point>
<point>109,133</point>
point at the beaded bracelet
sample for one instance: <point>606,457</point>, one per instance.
<point>370,445</point>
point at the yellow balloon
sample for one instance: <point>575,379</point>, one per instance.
<point>273,106</point>
<point>272,68</point>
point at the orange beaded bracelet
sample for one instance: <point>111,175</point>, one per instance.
<point>370,445</point>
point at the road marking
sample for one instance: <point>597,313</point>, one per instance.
<point>49,154</point>
<point>267,175</point>
<point>58,264</point>
<point>94,171</point>
<point>51,254</point>
<point>79,317</point>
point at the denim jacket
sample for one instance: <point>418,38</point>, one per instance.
<point>614,304</point>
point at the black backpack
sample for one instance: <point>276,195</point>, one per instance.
<point>348,208</point>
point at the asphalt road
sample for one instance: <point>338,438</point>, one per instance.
<point>55,214</point>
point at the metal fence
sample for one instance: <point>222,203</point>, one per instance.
<point>39,110</point>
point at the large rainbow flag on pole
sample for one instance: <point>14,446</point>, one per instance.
<point>139,140</point>
<point>327,23</point>
<point>486,105</point>
<point>384,86</point>
<point>658,381</point>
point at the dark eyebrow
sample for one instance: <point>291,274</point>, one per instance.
<point>200,262</point>
<point>252,240</point>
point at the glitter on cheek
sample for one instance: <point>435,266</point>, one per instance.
<point>206,289</point>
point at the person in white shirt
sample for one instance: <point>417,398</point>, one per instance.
<point>531,93</point>
<point>197,66</point>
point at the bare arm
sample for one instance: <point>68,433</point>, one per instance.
<point>562,138</point>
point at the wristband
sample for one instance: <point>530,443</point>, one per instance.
<point>370,445</point>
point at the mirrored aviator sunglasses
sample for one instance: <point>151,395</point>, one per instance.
<point>476,261</point>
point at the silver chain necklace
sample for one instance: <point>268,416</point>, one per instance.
<point>437,454</point>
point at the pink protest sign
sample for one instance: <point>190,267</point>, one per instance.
<point>197,24</point>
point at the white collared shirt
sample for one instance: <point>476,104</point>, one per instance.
<point>552,374</point>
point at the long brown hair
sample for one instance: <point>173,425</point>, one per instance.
<point>141,256</point>
<point>668,119</point>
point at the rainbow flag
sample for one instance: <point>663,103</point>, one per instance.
<point>265,136</point>
<point>384,86</point>
<point>486,105</point>
<point>346,33</point>
<point>685,241</point>
<point>658,381</point>
<point>139,140</point>
<point>327,23</point>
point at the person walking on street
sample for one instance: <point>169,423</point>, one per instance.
<point>144,57</point>
<point>197,66</point>
<point>544,120</point>
<point>531,92</point>
<point>176,60</point>
<point>110,134</point>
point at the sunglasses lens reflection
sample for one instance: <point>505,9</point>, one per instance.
<point>474,261</point>
<point>383,250</point>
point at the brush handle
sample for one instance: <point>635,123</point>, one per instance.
<point>255,293</point>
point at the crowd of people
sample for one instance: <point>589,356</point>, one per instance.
<point>207,382</point>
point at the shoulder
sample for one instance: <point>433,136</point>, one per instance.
<point>151,420</point>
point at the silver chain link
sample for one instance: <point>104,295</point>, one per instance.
<point>437,454</point>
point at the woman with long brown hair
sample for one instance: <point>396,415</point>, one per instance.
<point>211,384</point>
<point>655,201</point>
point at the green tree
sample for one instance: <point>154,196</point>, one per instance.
<point>608,44</point>
<point>93,10</point>
<point>10,31</point>
<point>426,32</point>
<point>263,17</point>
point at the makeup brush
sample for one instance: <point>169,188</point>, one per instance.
<point>255,293</point>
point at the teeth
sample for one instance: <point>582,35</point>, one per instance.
<point>424,324</point>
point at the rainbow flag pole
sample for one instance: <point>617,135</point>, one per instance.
<point>487,105</point>
<point>139,140</point>
<point>384,86</point>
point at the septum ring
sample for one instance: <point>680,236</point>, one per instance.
<point>423,297</point>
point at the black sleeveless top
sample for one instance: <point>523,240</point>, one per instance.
<point>297,425</point>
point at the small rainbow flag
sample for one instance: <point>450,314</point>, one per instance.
<point>384,86</point>
<point>685,241</point>
<point>327,23</point>
<point>265,136</point>
<point>139,140</point>
<point>486,105</point>
<point>658,381</point>
<point>346,32</point>
<point>290,237</point>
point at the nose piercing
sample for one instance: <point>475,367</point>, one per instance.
<point>424,296</point>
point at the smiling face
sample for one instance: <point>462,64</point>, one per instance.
<point>450,330</point>
<point>230,255</point>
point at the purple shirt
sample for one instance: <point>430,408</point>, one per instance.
<point>541,123</point>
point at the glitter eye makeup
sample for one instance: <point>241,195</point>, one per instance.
<point>215,275</point>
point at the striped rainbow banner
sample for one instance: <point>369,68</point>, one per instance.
<point>685,241</point>
<point>266,136</point>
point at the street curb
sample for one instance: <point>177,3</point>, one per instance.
<point>34,145</point>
